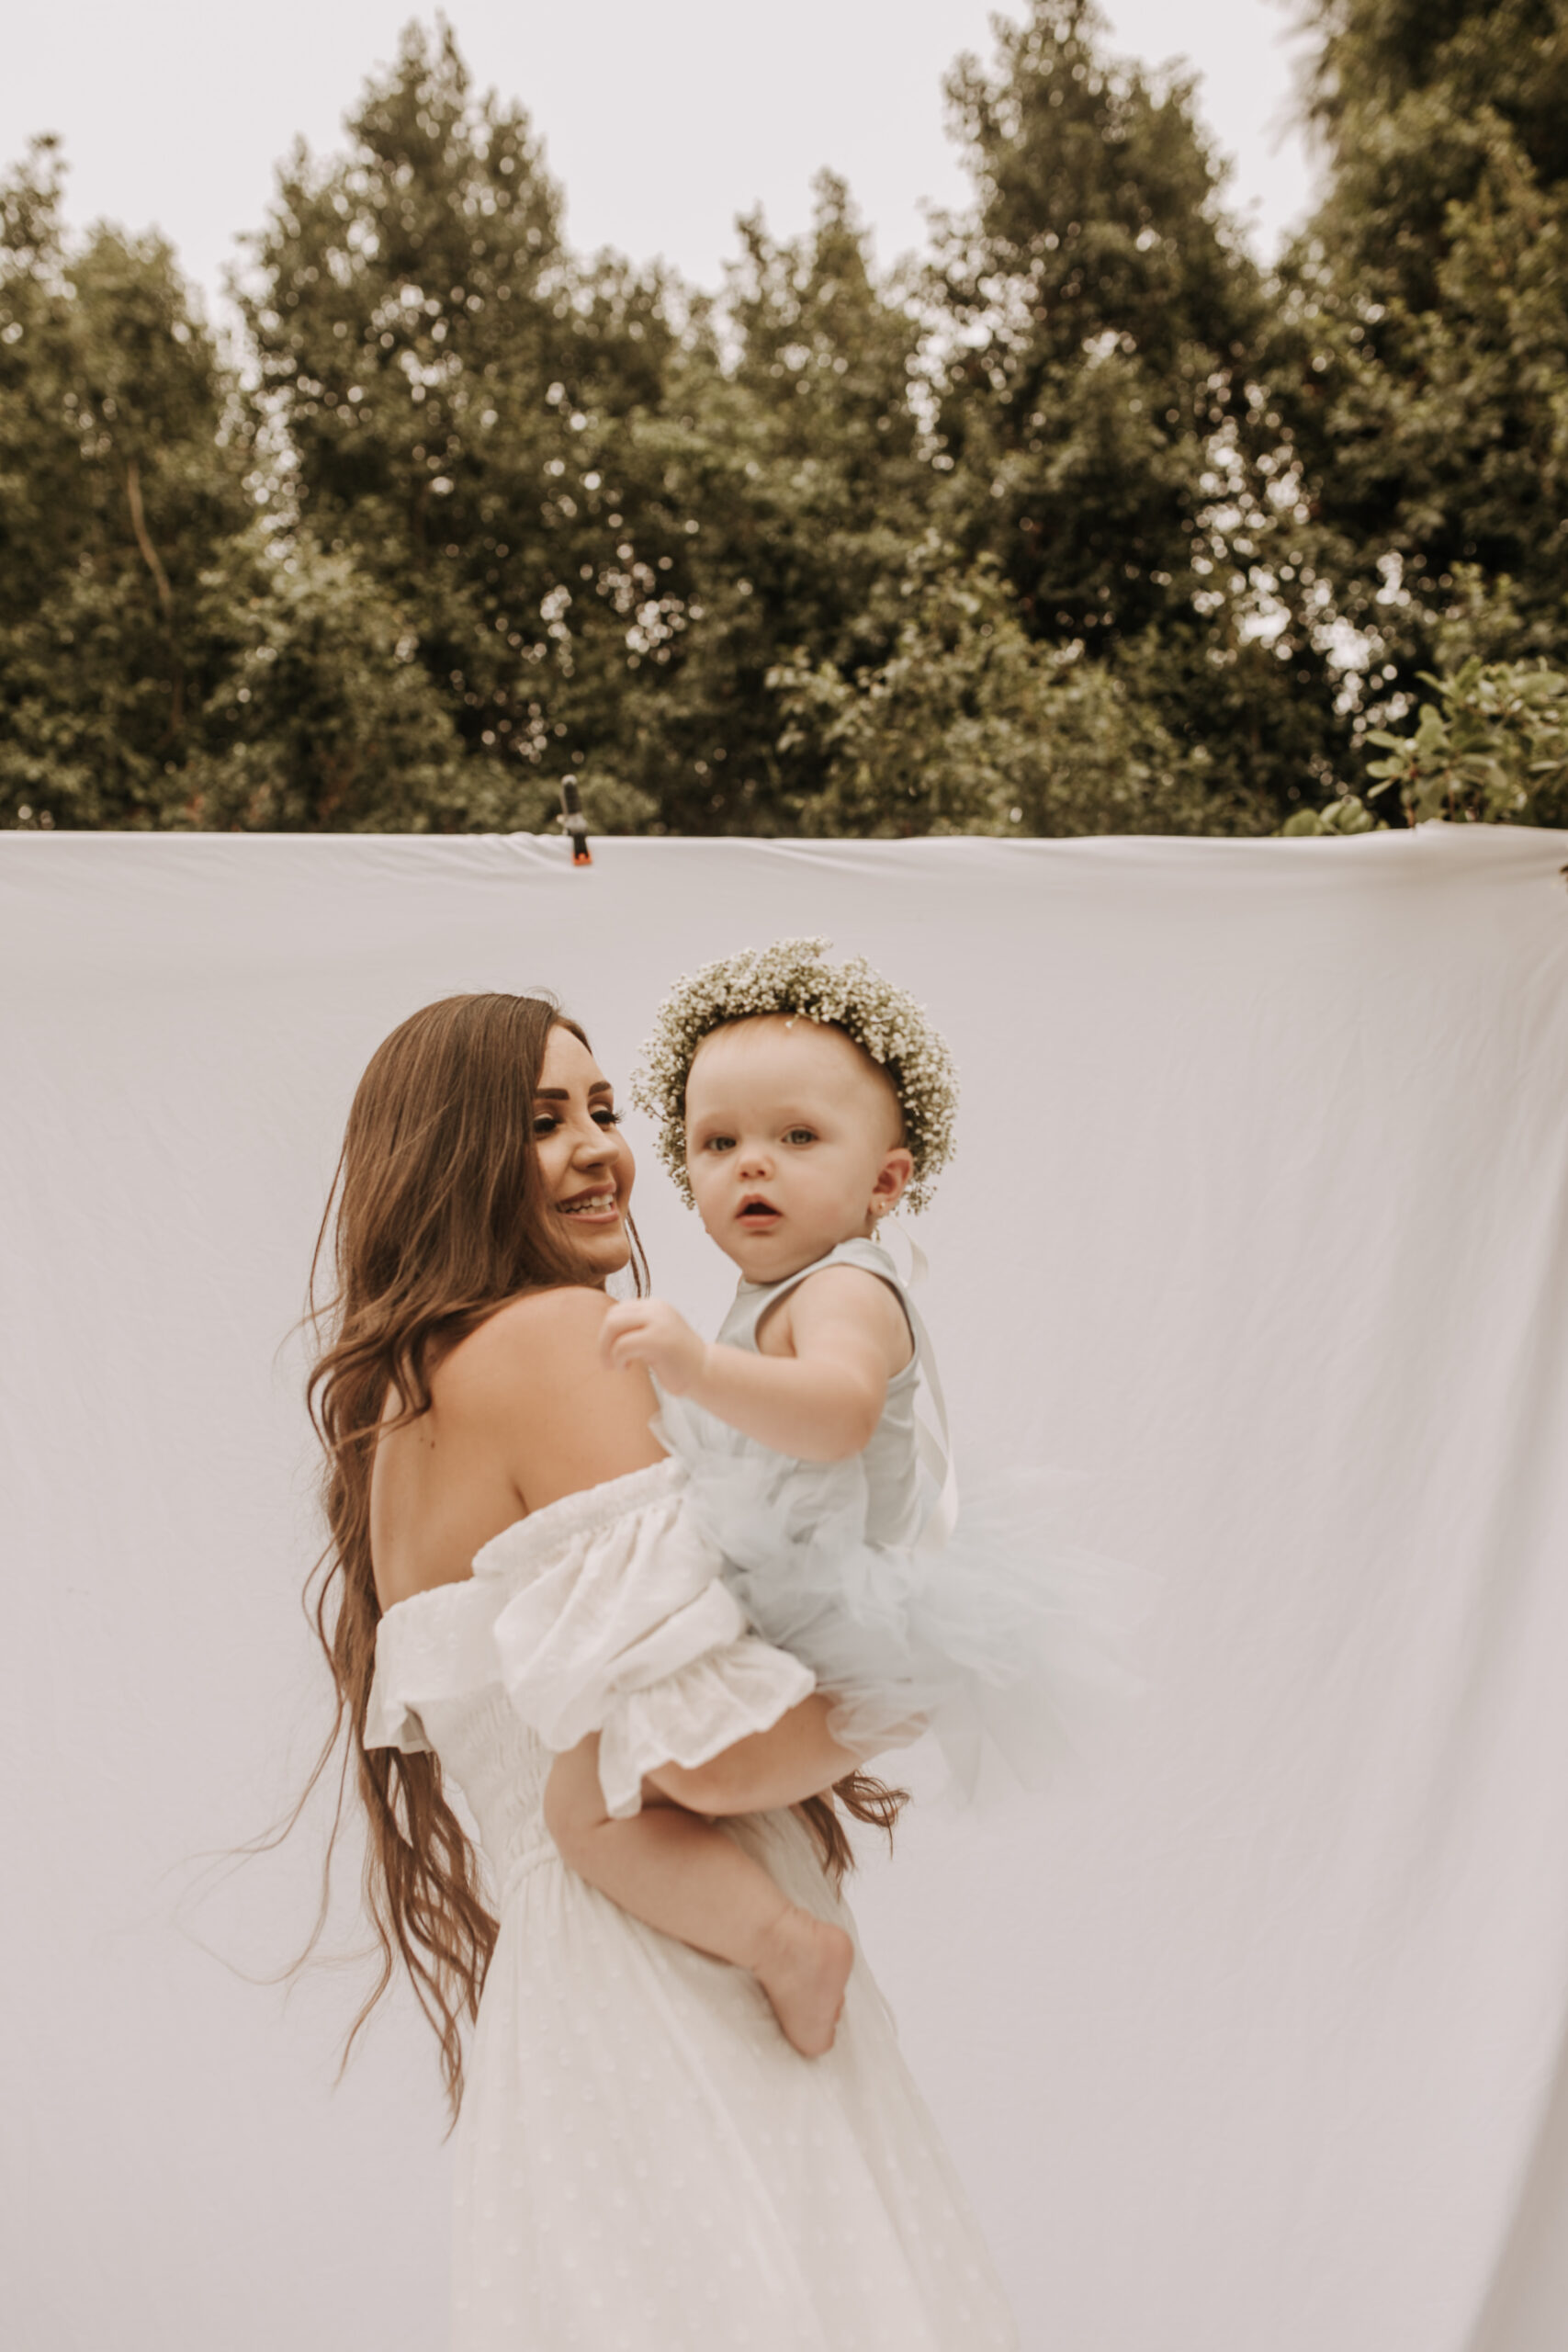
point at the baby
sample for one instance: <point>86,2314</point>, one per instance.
<point>794,1148</point>
<point>812,1536</point>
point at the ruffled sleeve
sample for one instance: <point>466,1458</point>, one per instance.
<point>436,1644</point>
<point>611,1617</point>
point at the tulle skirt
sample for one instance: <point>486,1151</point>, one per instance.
<point>1005,1632</point>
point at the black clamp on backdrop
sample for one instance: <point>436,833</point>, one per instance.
<point>574,824</point>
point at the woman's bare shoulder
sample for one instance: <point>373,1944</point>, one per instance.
<point>528,1337</point>
<point>533,1373</point>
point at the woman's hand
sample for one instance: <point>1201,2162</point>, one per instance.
<point>649,1331</point>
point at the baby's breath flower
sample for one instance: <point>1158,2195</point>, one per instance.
<point>794,976</point>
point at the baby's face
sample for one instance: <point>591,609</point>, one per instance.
<point>791,1142</point>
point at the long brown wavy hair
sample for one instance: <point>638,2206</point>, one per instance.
<point>436,1219</point>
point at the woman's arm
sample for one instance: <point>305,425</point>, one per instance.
<point>794,1761</point>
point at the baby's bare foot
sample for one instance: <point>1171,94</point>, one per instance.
<point>803,1965</point>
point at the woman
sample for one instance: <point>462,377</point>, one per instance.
<point>642,2160</point>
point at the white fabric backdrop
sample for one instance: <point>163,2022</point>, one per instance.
<point>1250,2037</point>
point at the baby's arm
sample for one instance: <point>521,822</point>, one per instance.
<point>842,1335</point>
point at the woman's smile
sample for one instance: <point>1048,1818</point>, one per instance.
<point>599,1206</point>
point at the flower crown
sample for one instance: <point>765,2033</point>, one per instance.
<point>794,976</point>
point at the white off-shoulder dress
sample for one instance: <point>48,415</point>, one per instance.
<point>643,2163</point>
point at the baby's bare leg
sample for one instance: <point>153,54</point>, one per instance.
<point>683,1876</point>
<point>798,1759</point>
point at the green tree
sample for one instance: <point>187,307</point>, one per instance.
<point>1103,434</point>
<point>165,659</point>
<point>970,726</point>
<point>121,481</point>
<point>609,508</point>
<point>322,719</point>
<point>792,449</point>
<point>454,393</point>
<point>1418,352</point>
<point>1490,748</point>
<point>1087,526</point>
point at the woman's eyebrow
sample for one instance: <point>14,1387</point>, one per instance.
<point>561,1094</point>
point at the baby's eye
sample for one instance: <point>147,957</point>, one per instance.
<point>718,1143</point>
<point>800,1135</point>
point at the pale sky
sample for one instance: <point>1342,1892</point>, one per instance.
<point>662,123</point>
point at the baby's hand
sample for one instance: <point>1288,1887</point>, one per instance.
<point>649,1331</point>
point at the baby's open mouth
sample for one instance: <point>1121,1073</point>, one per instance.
<point>758,1209</point>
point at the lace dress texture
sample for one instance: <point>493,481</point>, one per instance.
<point>642,2163</point>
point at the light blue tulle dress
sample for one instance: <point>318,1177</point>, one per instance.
<point>914,1609</point>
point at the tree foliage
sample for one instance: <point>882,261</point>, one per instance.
<point>1085,524</point>
<point>794,449</point>
<point>454,393</point>
<point>969,726</point>
<point>1418,347</point>
<point>121,480</point>
<point>1490,747</point>
<point>1104,316</point>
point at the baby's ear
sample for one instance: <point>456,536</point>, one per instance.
<point>892,1178</point>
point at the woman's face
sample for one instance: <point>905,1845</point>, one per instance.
<point>584,1162</point>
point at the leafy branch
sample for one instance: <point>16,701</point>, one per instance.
<point>1492,749</point>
